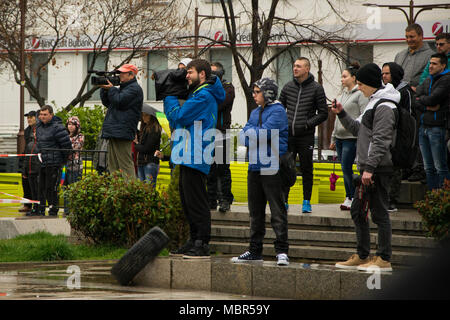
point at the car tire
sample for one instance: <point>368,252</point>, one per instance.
<point>139,255</point>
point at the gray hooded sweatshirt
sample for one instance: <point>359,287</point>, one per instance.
<point>375,131</point>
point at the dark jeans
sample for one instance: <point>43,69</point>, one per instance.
<point>378,205</point>
<point>395,185</point>
<point>346,151</point>
<point>49,178</point>
<point>219,177</point>
<point>194,200</point>
<point>304,147</point>
<point>263,189</point>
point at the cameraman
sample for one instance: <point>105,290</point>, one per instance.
<point>375,131</point>
<point>120,126</point>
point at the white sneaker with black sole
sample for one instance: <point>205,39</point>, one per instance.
<point>282,259</point>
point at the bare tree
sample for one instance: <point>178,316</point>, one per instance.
<point>267,26</point>
<point>134,26</point>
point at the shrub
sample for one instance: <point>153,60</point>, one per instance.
<point>176,225</point>
<point>111,209</point>
<point>91,119</point>
<point>435,212</point>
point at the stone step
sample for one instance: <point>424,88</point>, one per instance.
<point>228,233</point>
<point>329,255</point>
<point>325,220</point>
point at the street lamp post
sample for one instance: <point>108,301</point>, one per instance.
<point>411,18</point>
<point>197,27</point>
<point>21,134</point>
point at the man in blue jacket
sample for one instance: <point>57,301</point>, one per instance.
<point>120,126</point>
<point>266,137</point>
<point>193,143</point>
<point>432,105</point>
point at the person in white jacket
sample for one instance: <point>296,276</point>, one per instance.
<point>376,133</point>
<point>342,140</point>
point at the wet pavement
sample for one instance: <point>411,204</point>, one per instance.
<point>85,280</point>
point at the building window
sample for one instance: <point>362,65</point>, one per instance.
<point>98,65</point>
<point>284,63</point>
<point>362,53</point>
<point>225,58</point>
<point>156,61</point>
<point>37,59</point>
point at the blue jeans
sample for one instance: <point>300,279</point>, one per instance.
<point>149,172</point>
<point>434,153</point>
<point>346,150</point>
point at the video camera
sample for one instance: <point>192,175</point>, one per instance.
<point>104,76</point>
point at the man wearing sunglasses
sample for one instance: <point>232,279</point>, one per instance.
<point>442,46</point>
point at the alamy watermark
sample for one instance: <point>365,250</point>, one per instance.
<point>374,20</point>
<point>374,281</point>
<point>74,281</point>
<point>210,145</point>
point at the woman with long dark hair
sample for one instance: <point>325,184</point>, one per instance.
<point>148,141</point>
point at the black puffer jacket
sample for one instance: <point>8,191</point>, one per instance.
<point>124,110</point>
<point>52,135</point>
<point>305,104</point>
<point>432,92</point>
<point>149,142</point>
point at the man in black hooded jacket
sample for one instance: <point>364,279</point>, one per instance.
<point>393,73</point>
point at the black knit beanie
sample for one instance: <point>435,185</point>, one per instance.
<point>370,74</point>
<point>396,71</point>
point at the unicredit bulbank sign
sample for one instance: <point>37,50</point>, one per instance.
<point>387,32</point>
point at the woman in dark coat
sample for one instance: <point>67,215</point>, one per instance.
<point>148,141</point>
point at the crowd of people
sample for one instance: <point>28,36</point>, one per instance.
<point>365,131</point>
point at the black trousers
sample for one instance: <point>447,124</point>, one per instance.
<point>49,178</point>
<point>378,205</point>
<point>33,181</point>
<point>26,190</point>
<point>194,200</point>
<point>219,179</point>
<point>303,147</point>
<point>263,189</point>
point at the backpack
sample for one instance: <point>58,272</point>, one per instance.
<point>287,171</point>
<point>405,148</point>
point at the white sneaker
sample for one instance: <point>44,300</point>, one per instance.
<point>282,259</point>
<point>347,204</point>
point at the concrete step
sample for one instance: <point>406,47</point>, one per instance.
<point>228,233</point>
<point>327,219</point>
<point>312,254</point>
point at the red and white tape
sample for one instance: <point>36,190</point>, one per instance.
<point>19,155</point>
<point>21,200</point>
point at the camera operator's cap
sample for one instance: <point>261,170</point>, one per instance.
<point>30,114</point>
<point>128,68</point>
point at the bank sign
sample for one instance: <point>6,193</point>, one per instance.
<point>369,32</point>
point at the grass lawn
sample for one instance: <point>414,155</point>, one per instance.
<point>43,246</point>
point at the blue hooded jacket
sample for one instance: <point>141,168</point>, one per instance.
<point>190,123</point>
<point>273,117</point>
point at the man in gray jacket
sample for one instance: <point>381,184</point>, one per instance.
<point>414,58</point>
<point>376,132</point>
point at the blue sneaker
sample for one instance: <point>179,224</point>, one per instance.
<point>286,205</point>
<point>306,208</point>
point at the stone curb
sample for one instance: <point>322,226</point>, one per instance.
<point>12,227</point>
<point>297,281</point>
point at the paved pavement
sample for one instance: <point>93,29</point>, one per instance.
<point>59,281</point>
